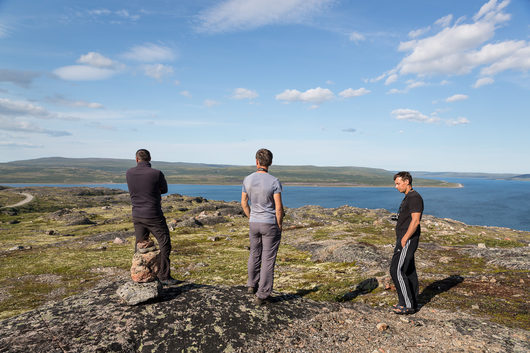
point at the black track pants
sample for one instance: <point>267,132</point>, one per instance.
<point>403,272</point>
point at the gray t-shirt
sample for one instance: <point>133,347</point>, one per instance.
<point>260,188</point>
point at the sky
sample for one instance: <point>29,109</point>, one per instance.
<point>399,85</point>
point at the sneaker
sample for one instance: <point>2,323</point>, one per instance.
<point>169,282</point>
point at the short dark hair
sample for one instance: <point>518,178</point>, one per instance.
<point>404,176</point>
<point>143,155</point>
<point>264,157</point>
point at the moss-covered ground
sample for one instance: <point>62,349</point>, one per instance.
<point>56,259</point>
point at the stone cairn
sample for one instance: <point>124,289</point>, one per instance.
<point>144,270</point>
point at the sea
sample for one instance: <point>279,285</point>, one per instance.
<point>485,202</point>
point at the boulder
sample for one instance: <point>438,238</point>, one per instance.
<point>133,293</point>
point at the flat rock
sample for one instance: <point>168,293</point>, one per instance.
<point>133,293</point>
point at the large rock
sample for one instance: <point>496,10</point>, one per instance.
<point>145,266</point>
<point>133,293</point>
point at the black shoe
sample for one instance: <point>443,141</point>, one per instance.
<point>169,282</point>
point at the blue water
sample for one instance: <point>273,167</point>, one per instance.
<point>480,202</point>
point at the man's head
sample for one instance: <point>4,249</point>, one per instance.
<point>403,181</point>
<point>264,157</point>
<point>143,155</point>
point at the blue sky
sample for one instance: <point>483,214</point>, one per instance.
<point>399,85</point>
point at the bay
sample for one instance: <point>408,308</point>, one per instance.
<point>502,203</point>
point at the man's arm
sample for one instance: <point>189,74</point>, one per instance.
<point>163,183</point>
<point>244,204</point>
<point>414,223</point>
<point>279,209</point>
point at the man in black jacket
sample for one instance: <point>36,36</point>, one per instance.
<point>146,185</point>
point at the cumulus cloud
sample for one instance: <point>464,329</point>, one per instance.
<point>17,77</point>
<point>419,32</point>
<point>456,98</point>
<point>391,79</point>
<point>243,93</point>
<point>232,15</point>
<point>94,67</point>
<point>462,47</point>
<point>413,115</point>
<point>417,116</point>
<point>150,52</point>
<point>357,37</point>
<point>13,108</point>
<point>350,92</point>
<point>315,95</point>
<point>158,71</point>
<point>458,121</point>
<point>483,82</point>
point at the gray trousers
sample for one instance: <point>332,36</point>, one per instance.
<point>264,243</point>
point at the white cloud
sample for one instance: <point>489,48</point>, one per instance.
<point>391,79</point>
<point>483,82</point>
<point>13,125</point>
<point>95,59</point>
<point>10,107</point>
<point>315,95</point>
<point>350,130</point>
<point>350,92</point>
<point>459,49</point>
<point>458,121</point>
<point>150,52</point>
<point>123,14</point>
<point>185,94</point>
<point>357,37</point>
<point>329,82</point>
<point>17,77</point>
<point>210,103</point>
<point>416,116</point>
<point>419,32</point>
<point>413,115</point>
<point>444,83</point>
<point>444,21</point>
<point>243,93</point>
<point>83,73</point>
<point>396,91</point>
<point>4,30</point>
<point>158,71</point>
<point>415,84</point>
<point>231,15</point>
<point>456,97</point>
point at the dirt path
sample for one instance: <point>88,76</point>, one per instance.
<point>28,199</point>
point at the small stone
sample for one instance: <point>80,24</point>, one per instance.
<point>481,246</point>
<point>105,208</point>
<point>50,232</point>
<point>15,248</point>
<point>228,238</point>
<point>445,259</point>
<point>493,280</point>
<point>118,240</point>
<point>214,238</point>
<point>475,307</point>
<point>382,326</point>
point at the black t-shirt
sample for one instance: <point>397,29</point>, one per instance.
<point>412,203</point>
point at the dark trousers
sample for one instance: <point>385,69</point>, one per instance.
<point>158,227</point>
<point>403,272</point>
<point>264,243</point>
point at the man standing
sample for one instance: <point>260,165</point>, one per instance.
<point>265,225</point>
<point>146,185</point>
<point>402,267</point>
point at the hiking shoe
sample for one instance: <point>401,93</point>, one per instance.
<point>251,290</point>
<point>401,310</point>
<point>260,302</point>
<point>169,282</point>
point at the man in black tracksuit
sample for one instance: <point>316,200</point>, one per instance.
<point>402,267</point>
<point>146,185</point>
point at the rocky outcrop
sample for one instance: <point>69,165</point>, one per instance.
<point>145,262</point>
<point>133,293</point>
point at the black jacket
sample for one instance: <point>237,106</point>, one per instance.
<point>146,185</point>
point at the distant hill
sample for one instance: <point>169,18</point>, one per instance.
<point>105,170</point>
<point>497,176</point>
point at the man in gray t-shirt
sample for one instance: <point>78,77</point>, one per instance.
<point>264,192</point>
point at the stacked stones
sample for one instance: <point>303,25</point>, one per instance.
<point>144,271</point>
